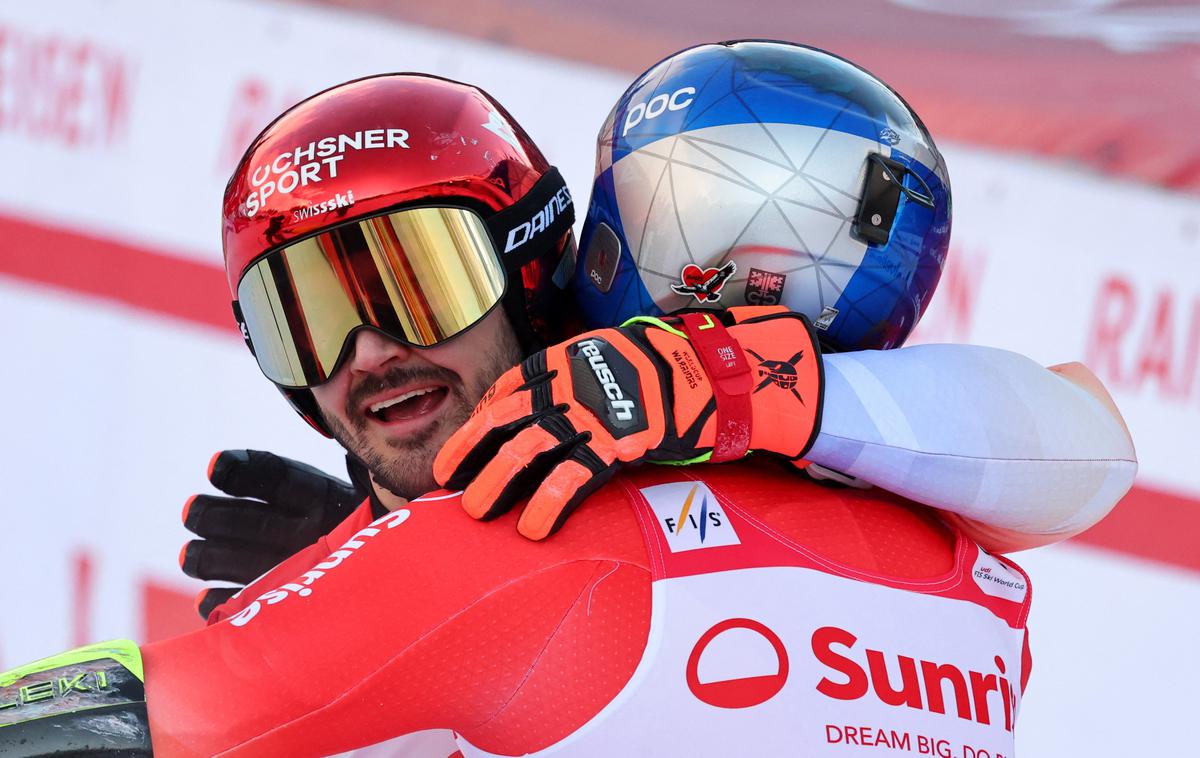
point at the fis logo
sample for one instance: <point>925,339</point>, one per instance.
<point>690,516</point>
<point>689,520</point>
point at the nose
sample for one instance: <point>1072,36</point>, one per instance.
<point>373,351</point>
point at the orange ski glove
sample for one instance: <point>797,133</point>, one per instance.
<point>707,385</point>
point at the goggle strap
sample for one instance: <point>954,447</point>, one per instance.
<point>245,330</point>
<point>523,231</point>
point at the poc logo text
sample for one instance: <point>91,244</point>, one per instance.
<point>658,105</point>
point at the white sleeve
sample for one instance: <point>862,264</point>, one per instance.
<point>984,433</point>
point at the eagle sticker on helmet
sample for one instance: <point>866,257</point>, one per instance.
<point>704,284</point>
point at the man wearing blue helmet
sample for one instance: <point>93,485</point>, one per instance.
<point>765,613</point>
<point>761,173</point>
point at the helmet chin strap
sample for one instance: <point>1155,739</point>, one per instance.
<point>378,508</point>
<point>360,477</point>
<point>303,402</point>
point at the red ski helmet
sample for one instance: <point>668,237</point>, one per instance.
<point>404,203</point>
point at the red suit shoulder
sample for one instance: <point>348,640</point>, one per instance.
<point>295,564</point>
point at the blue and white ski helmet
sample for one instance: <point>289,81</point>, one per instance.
<point>764,172</point>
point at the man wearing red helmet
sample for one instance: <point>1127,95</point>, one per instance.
<point>738,600</point>
<point>946,473</point>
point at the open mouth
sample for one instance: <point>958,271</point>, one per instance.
<point>408,405</point>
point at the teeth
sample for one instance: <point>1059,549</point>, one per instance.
<point>377,407</point>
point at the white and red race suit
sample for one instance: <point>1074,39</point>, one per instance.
<point>724,610</point>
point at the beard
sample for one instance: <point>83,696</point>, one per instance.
<point>405,466</point>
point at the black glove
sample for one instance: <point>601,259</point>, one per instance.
<point>280,506</point>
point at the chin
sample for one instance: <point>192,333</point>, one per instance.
<point>406,469</point>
